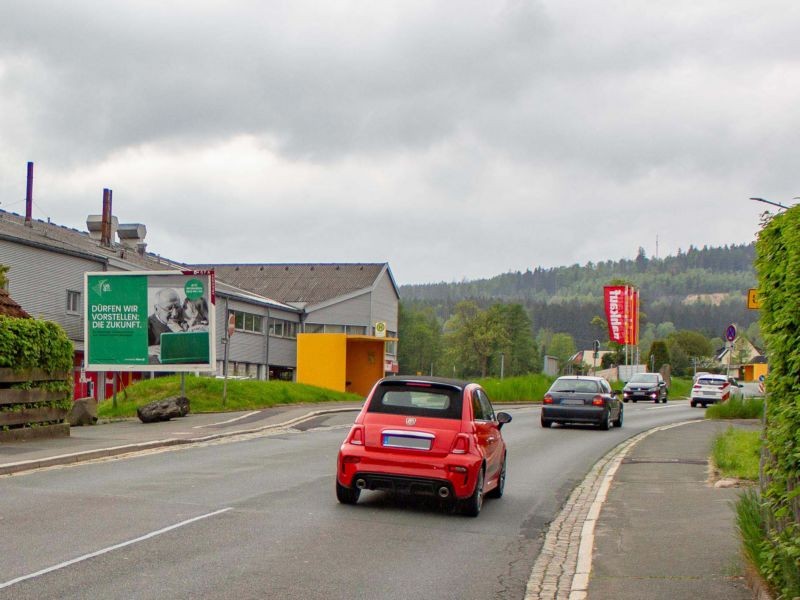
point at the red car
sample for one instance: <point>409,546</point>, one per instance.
<point>425,436</point>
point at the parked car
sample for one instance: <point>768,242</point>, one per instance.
<point>581,399</point>
<point>711,389</point>
<point>645,386</point>
<point>425,436</point>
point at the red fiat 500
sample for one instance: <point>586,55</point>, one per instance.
<point>425,436</point>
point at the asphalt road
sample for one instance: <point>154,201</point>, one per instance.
<point>258,519</point>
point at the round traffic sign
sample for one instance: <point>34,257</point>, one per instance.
<point>761,378</point>
<point>730,333</point>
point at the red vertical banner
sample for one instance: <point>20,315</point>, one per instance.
<point>635,340</point>
<point>615,297</point>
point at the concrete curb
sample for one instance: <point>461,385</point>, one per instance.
<point>77,457</point>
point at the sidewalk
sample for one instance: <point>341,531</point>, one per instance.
<point>664,531</point>
<point>121,437</point>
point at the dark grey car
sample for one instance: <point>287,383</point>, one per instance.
<point>645,386</point>
<point>581,400</point>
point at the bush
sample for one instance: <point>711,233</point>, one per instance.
<point>736,453</point>
<point>34,344</point>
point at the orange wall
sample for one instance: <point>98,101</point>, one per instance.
<point>364,364</point>
<point>322,360</point>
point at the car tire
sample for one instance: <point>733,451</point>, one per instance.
<point>546,423</point>
<point>664,400</point>
<point>705,405</point>
<point>606,424</point>
<point>501,481</point>
<point>618,422</point>
<point>694,404</point>
<point>471,507</point>
<point>633,400</point>
<point>347,495</point>
<point>624,399</point>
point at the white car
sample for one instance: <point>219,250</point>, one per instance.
<point>711,389</point>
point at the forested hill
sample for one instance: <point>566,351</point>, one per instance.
<point>703,289</point>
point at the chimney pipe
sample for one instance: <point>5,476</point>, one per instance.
<point>29,196</point>
<point>105,228</point>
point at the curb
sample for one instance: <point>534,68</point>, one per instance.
<point>77,457</point>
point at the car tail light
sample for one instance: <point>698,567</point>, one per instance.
<point>456,469</point>
<point>548,399</point>
<point>461,444</point>
<point>351,460</point>
<point>696,387</point>
<point>357,436</point>
<point>597,401</point>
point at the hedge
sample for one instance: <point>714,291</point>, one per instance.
<point>778,267</point>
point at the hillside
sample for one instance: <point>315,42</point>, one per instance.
<point>703,289</point>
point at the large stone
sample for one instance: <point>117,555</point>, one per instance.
<point>84,412</point>
<point>163,410</point>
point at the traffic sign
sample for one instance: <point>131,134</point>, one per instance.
<point>761,378</point>
<point>730,333</point>
<point>753,301</point>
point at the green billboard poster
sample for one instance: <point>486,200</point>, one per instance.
<point>149,321</point>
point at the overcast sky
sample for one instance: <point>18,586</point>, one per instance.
<point>452,139</point>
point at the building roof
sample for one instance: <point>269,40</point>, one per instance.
<point>9,307</point>
<point>308,283</point>
<point>56,238</point>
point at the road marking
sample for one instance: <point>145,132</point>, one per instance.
<point>111,548</point>
<point>663,406</point>
<point>244,416</point>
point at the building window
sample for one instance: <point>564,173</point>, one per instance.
<point>334,328</point>
<point>391,346</point>
<point>314,328</point>
<point>244,321</point>
<point>73,301</point>
<point>356,330</point>
<point>282,328</point>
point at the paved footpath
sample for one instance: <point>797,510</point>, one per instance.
<point>646,524</point>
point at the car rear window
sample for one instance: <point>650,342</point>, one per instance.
<point>419,400</point>
<point>712,381</point>
<point>643,378</point>
<point>575,385</point>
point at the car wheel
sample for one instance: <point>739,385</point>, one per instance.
<point>546,423</point>
<point>618,422</point>
<point>471,507</point>
<point>347,495</point>
<point>664,400</point>
<point>633,400</point>
<point>624,399</point>
<point>501,482</point>
<point>705,405</point>
<point>694,404</point>
<point>606,424</point>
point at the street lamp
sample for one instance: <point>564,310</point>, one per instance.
<point>778,204</point>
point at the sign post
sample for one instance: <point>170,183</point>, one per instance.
<point>227,341</point>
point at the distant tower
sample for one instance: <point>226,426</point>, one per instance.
<point>656,245</point>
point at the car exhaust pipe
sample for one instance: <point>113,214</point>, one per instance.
<point>444,492</point>
<point>361,484</point>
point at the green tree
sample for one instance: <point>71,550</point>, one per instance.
<point>3,278</point>
<point>658,355</point>
<point>421,340</point>
<point>471,337</point>
<point>562,346</point>
<point>693,343</point>
<point>519,354</point>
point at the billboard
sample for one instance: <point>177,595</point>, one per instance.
<point>149,321</point>
<point>622,313</point>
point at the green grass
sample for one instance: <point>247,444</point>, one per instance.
<point>525,388</point>
<point>205,395</point>
<point>737,408</point>
<point>736,453</point>
<point>681,388</point>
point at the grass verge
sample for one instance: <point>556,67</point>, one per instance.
<point>205,395</point>
<point>525,388</point>
<point>736,453</point>
<point>737,408</point>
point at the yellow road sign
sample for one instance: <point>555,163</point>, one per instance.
<point>753,300</point>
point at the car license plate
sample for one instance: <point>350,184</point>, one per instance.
<point>391,440</point>
<point>572,401</point>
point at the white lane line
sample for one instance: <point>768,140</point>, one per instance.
<point>111,548</point>
<point>244,416</point>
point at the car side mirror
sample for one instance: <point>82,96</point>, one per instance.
<point>503,418</point>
